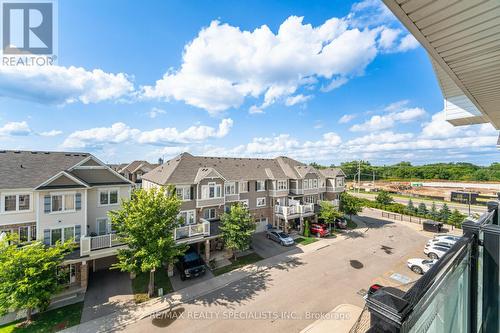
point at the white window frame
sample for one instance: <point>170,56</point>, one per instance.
<point>231,185</point>
<point>17,194</point>
<point>62,227</point>
<point>243,186</point>
<point>184,189</point>
<point>280,184</point>
<point>188,212</point>
<point>263,187</point>
<point>108,226</point>
<point>210,210</point>
<point>315,183</point>
<point>108,190</point>
<point>205,191</point>
<point>305,184</point>
<point>262,204</point>
<point>63,195</point>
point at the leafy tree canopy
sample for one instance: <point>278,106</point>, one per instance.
<point>29,274</point>
<point>237,227</point>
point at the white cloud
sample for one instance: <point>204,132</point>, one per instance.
<point>407,43</point>
<point>297,99</point>
<point>388,37</point>
<point>51,133</point>
<point>397,106</point>
<point>346,118</point>
<point>154,112</point>
<point>260,63</point>
<point>14,128</point>
<point>377,122</point>
<point>60,85</point>
<point>120,133</point>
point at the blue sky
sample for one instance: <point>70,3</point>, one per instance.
<point>324,81</point>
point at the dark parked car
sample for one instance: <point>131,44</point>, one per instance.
<point>318,229</point>
<point>191,265</point>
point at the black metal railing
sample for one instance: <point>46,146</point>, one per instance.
<point>460,293</point>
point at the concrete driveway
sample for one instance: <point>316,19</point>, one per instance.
<point>267,248</point>
<point>178,284</point>
<point>108,290</point>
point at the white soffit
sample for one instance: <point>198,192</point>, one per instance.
<point>462,38</point>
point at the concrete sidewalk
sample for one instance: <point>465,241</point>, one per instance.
<point>129,315</point>
<point>339,320</point>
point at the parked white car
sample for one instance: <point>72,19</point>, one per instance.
<point>420,266</point>
<point>436,251</point>
<point>447,239</point>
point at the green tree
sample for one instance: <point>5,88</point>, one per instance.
<point>350,205</point>
<point>434,212</point>
<point>444,213</point>
<point>29,275</point>
<point>384,198</point>
<point>237,228</point>
<point>456,219</point>
<point>307,230</point>
<point>146,223</point>
<point>422,209</point>
<point>410,207</point>
<point>328,212</point>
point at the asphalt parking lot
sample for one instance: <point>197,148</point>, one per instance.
<point>317,282</point>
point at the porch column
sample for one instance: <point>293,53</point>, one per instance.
<point>285,229</point>
<point>301,226</point>
<point>84,275</point>
<point>207,251</point>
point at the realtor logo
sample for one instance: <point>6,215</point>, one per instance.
<point>28,29</point>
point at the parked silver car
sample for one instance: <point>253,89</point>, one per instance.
<point>280,237</point>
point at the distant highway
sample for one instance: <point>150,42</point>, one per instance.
<point>416,201</point>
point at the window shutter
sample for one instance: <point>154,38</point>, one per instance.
<point>191,195</point>
<point>256,182</point>
<point>78,201</point>
<point>265,185</point>
<point>78,232</point>
<point>46,204</point>
<point>46,236</point>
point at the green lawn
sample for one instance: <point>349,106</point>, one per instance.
<point>305,240</point>
<point>50,321</point>
<point>140,285</point>
<point>239,262</point>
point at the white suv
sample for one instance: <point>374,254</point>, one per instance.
<point>436,251</point>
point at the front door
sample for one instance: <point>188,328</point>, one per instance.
<point>102,226</point>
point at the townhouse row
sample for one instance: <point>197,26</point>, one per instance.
<point>56,196</point>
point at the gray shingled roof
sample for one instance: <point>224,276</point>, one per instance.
<point>27,169</point>
<point>332,172</point>
<point>187,169</point>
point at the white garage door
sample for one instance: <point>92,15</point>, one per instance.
<point>261,225</point>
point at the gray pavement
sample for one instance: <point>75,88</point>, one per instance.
<point>293,293</point>
<point>267,248</point>
<point>107,292</point>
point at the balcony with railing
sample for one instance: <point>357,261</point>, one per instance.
<point>336,189</point>
<point>89,244</point>
<point>294,211</point>
<point>460,293</point>
<point>206,202</point>
<point>190,231</point>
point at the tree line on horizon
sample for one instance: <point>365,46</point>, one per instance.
<point>407,171</point>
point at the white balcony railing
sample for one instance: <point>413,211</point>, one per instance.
<point>192,230</point>
<point>278,193</point>
<point>288,211</point>
<point>335,189</point>
<point>89,244</point>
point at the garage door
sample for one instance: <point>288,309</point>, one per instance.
<point>261,225</point>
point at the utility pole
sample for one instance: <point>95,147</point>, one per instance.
<point>470,194</point>
<point>373,182</point>
<point>359,175</point>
